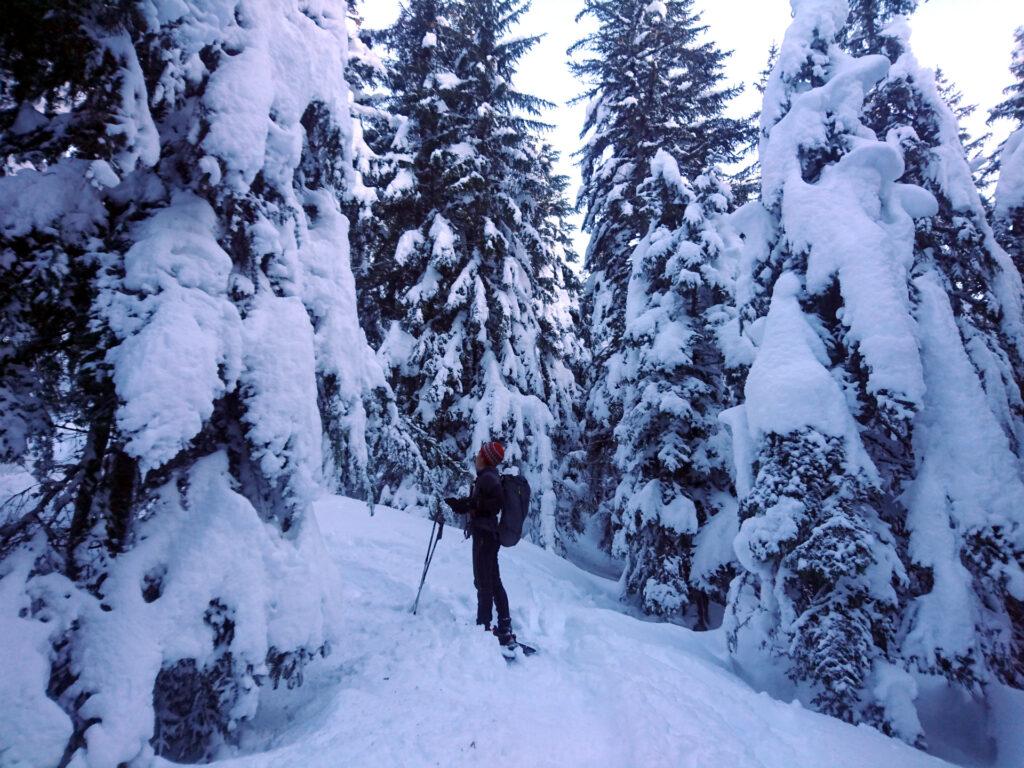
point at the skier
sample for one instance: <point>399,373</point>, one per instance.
<point>483,507</point>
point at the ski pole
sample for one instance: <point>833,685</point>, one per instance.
<point>438,529</point>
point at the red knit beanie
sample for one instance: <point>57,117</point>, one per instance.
<point>492,453</point>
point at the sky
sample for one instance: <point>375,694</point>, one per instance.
<point>971,40</point>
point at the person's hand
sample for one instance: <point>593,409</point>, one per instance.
<point>458,505</point>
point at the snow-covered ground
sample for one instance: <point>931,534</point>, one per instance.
<point>607,689</point>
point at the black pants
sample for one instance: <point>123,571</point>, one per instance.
<point>487,579</point>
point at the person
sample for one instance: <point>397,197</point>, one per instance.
<point>483,507</point>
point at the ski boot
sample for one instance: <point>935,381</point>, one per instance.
<point>507,640</point>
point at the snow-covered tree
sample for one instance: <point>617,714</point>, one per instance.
<point>825,295</point>
<point>177,283</point>
<point>44,301</point>
<point>557,286</point>
<point>863,529</point>
<point>654,85</point>
<point>974,146</point>
<point>408,121</point>
<point>479,346</point>
<point>909,106</point>
<point>671,456</point>
<point>365,74</point>
<point>1012,107</point>
<point>1009,161</point>
<point>959,268</point>
<point>864,32</point>
<point>1008,215</point>
<point>747,182</point>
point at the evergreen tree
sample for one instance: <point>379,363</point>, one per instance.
<point>403,129</point>
<point>746,183</point>
<point>654,86</point>
<point>671,457</point>
<point>366,76</point>
<point>866,23</point>
<point>176,282</point>
<point>478,348</point>
<point>1009,162</point>
<point>1012,107</point>
<point>958,240</point>
<point>959,268</point>
<point>887,430</point>
<point>1008,214</point>
<point>558,291</point>
<point>973,146</point>
<point>824,293</point>
<point>44,273</point>
<point>863,529</point>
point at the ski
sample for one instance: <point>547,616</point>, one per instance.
<point>528,650</point>
<point>509,651</point>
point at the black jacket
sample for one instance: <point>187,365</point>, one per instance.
<point>484,502</point>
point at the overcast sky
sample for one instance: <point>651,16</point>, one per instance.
<point>971,40</point>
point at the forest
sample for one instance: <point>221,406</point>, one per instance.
<point>270,278</point>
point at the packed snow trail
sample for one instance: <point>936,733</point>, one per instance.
<point>607,690</point>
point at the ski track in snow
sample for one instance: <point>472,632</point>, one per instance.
<point>607,689</point>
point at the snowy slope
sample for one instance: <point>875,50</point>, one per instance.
<point>431,689</point>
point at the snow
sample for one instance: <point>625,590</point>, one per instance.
<point>743,450</point>
<point>447,81</point>
<point>132,124</point>
<point>813,20</point>
<point>462,150</point>
<point>679,515</point>
<point>245,105</point>
<point>854,222</point>
<point>656,8</point>
<point>1010,189</point>
<point>403,183</point>
<point>789,387</point>
<point>281,591</point>
<point>948,167</point>
<point>279,385</point>
<point>855,229</point>
<point>221,354</point>
<point>713,543</point>
<point>409,241</point>
<point>326,286</point>
<point>843,222</point>
<point>759,537</point>
<point>748,233</point>
<point>60,198</point>
<point>181,346</point>
<point>35,730</point>
<point>188,329</point>
<point>209,166</point>
<point>443,238</point>
<point>951,173</point>
<point>431,689</point>
<point>257,94</point>
<point>897,690</point>
<point>803,126</point>
<point>1007,705</point>
<point>967,479</point>
<point>101,174</point>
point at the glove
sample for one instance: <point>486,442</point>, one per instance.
<point>459,506</point>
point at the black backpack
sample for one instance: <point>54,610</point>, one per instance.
<point>515,506</point>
